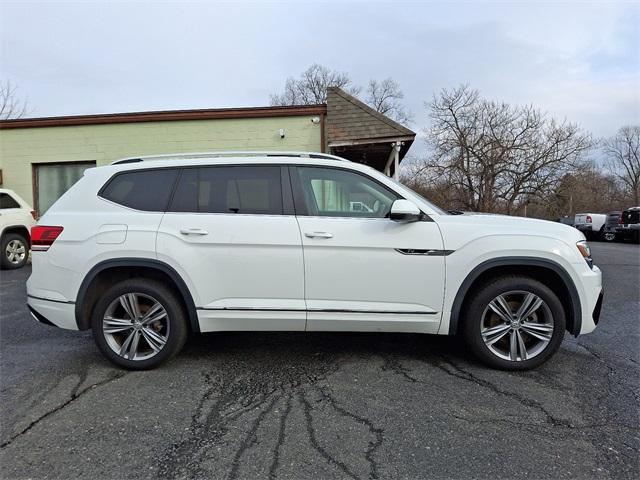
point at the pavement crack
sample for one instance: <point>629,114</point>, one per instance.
<point>536,424</point>
<point>275,464</point>
<point>458,372</point>
<point>75,395</point>
<point>250,438</point>
<point>376,431</point>
<point>306,408</point>
<point>594,353</point>
<point>184,458</point>
<point>393,365</point>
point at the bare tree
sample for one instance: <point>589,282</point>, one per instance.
<point>385,97</point>
<point>622,153</point>
<point>10,105</point>
<point>311,87</point>
<point>494,156</point>
<point>585,189</point>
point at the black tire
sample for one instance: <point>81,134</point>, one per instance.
<point>478,304</point>
<point>149,290</point>
<point>609,236</point>
<point>8,260</point>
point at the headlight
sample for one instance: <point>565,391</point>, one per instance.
<point>585,251</point>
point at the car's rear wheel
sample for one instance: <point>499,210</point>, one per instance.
<point>139,324</point>
<point>15,251</point>
<point>609,236</point>
<point>514,323</point>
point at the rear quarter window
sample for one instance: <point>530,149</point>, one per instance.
<point>147,190</point>
<point>7,201</point>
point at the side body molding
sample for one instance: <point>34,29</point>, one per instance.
<point>574,298</point>
<point>138,262</point>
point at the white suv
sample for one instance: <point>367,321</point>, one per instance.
<point>16,218</point>
<point>146,251</point>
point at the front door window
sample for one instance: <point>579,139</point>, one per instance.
<point>330,192</point>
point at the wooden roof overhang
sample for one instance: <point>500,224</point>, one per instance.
<point>358,133</point>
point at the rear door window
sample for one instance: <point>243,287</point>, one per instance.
<point>245,189</point>
<point>147,190</point>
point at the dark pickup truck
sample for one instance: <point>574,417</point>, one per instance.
<point>610,225</point>
<point>629,225</point>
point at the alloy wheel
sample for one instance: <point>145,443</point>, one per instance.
<point>15,251</point>
<point>136,326</point>
<point>517,325</point>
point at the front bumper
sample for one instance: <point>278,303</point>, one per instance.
<point>59,314</point>
<point>590,299</point>
<point>628,230</point>
<point>598,309</point>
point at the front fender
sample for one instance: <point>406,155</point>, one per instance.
<point>474,258</point>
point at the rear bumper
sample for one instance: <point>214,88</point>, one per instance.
<point>584,227</point>
<point>59,314</point>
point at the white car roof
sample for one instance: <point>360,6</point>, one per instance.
<point>226,158</point>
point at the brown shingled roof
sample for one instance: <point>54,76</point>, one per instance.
<point>349,119</point>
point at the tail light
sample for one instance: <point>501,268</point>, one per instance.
<point>620,220</point>
<point>589,220</point>
<point>42,237</point>
<point>34,214</point>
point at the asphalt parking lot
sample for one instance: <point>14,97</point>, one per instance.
<point>290,405</point>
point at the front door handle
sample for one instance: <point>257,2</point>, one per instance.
<point>318,235</point>
<point>193,231</point>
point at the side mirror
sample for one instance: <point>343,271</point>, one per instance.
<point>405,211</point>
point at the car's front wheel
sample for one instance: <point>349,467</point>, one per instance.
<point>139,323</point>
<point>514,323</point>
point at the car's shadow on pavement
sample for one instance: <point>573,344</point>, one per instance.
<point>296,346</point>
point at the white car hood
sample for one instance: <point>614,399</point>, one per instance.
<point>483,224</point>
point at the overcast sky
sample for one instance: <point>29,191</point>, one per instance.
<point>577,60</point>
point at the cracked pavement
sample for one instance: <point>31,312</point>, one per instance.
<point>295,405</point>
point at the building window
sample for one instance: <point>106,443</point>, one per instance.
<point>53,179</point>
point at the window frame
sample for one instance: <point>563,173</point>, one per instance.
<point>300,201</point>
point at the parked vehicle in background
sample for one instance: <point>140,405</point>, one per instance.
<point>566,220</point>
<point>16,220</point>
<point>610,225</point>
<point>360,207</point>
<point>591,224</point>
<point>629,225</point>
<point>145,251</point>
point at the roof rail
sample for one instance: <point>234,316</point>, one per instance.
<point>172,156</point>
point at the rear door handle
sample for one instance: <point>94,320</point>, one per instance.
<point>318,235</point>
<point>193,231</point>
